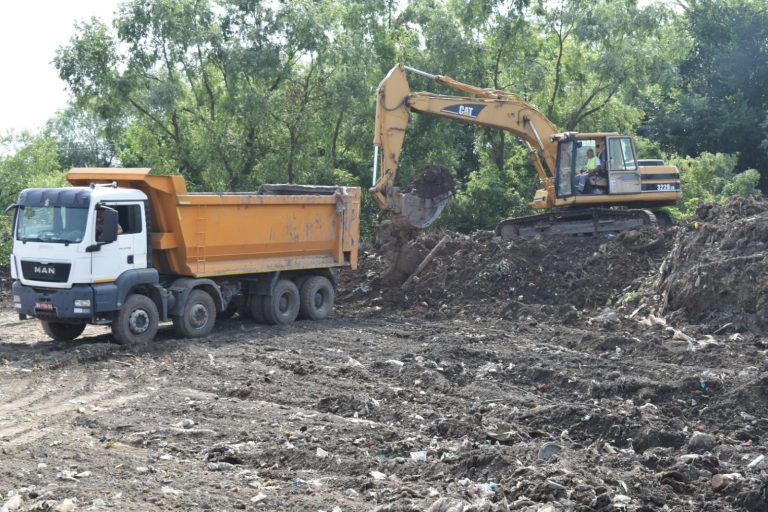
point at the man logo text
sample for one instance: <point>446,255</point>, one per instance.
<point>45,270</point>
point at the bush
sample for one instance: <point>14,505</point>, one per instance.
<point>712,177</point>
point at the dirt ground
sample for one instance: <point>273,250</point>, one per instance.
<point>528,375</point>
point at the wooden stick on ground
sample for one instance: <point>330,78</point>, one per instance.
<point>426,261</point>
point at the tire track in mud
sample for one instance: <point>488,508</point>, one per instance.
<point>31,405</point>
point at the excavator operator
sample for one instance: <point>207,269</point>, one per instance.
<point>593,167</point>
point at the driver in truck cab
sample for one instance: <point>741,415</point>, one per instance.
<point>100,224</point>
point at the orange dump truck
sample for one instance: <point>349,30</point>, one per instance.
<point>128,249</point>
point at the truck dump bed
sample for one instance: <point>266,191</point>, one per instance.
<point>281,227</point>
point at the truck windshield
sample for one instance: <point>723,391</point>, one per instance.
<point>56,224</point>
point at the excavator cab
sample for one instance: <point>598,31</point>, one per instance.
<point>580,158</point>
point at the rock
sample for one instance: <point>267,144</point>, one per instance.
<point>259,498</point>
<point>170,491</point>
<point>702,442</point>
<point>14,503</point>
<point>185,423</point>
<point>721,481</point>
<point>321,453</point>
<point>67,505</point>
<point>378,475</point>
<point>83,474</point>
<point>142,470</point>
<point>420,456</point>
<point>354,363</point>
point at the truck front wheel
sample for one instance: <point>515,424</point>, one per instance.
<point>282,307</point>
<point>198,317</point>
<point>60,331</point>
<point>137,321</point>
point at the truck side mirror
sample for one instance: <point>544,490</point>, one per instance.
<point>108,233</point>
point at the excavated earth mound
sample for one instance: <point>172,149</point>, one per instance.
<point>717,272</point>
<point>481,274</point>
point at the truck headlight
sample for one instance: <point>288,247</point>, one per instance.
<point>83,303</point>
<point>81,310</point>
<point>17,298</point>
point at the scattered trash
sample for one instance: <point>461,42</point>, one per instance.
<point>420,456</point>
<point>14,503</point>
<point>756,462</point>
<point>486,490</point>
<point>548,450</point>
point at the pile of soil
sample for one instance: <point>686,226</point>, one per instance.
<point>481,274</point>
<point>434,181</point>
<point>716,273</point>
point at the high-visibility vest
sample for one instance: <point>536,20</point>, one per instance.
<point>593,163</point>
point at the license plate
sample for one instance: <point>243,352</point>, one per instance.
<point>44,306</point>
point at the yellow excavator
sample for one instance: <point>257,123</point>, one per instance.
<point>591,182</point>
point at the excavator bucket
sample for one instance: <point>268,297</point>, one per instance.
<point>429,194</point>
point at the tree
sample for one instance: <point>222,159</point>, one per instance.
<point>720,103</point>
<point>32,161</point>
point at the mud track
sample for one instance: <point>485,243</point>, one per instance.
<point>386,413</point>
<point>575,374</point>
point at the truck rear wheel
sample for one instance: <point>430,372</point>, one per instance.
<point>60,331</point>
<point>198,317</point>
<point>137,321</point>
<point>282,307</point>
<point>256,308</point>
<point>316,298</point>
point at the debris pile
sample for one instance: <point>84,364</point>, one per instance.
<point>717,272</point>
<point>481,274</point>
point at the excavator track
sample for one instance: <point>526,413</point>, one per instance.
<point>575,222</point>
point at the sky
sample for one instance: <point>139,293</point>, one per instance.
<point>30,31</point>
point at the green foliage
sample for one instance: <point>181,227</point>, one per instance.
<point>489,198</point>
<point>234,93</point>
<point>718,103</point>
<point>30,162</point>
<point>712,177</point>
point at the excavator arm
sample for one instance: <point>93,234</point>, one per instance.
<point>486,107</point>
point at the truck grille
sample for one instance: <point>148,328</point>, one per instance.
<point>50,272</point>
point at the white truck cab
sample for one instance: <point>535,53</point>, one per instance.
<point>70,247</point>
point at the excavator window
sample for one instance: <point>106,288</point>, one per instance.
<point>621,154</point>
<point>566,153</point>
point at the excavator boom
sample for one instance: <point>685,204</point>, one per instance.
<point>555,155</point>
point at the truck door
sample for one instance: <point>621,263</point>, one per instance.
<point>130,249</point>
<point>623,171</point>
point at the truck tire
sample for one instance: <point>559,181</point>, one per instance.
<point>137,321</point>
<point>316,298</point>
<point>60,331</point>
<point>282,307</point>
<point>199,316</point>
<point>256,308</point>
